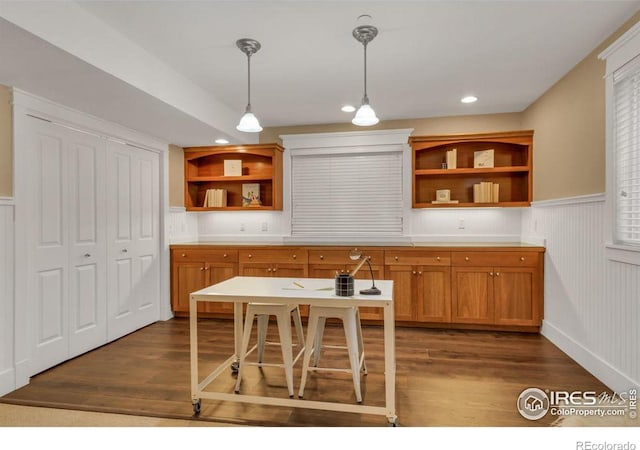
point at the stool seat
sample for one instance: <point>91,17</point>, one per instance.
<point>353,333</point>
<point>283,314</point>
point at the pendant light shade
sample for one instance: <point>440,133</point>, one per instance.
<point>365,115</point>
<point>248,122</point>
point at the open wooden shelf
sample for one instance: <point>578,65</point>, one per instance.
<point>204,169</point>
<point>512,168</point>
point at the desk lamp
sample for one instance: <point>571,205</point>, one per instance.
<point>355,255</point>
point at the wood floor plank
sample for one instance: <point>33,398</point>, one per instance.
<point>444,377</point>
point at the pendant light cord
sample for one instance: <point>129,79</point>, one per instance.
<point>365,99</point>
<point>248,82</point>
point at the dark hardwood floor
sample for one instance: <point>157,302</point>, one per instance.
<point>444,378</point>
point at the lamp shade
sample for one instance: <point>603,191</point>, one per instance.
<point>365,116</point>
<point>249,123</point>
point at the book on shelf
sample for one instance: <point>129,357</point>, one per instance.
<point>232,167</point>
<point>251,195</point>
<point>452,158</point>
<point>443,202</point>
<point>486,192</point>
<point>215,198</point>
<point>483,159</point>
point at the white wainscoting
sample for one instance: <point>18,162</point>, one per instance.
<point>591,304</point>
<point>7,366</point>
<point>182,226</point>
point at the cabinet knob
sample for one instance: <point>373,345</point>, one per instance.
<point>275,268</point>
<point>497,274</point>
<point>269,269</point>
<point>184,255</point>
<point>295,256</point>
<point>201,268</point>
<point>419,273</point>
<point>321,256</point>
<point>466,258</point>
<point>490,273</point>
<point>250,255</point>
<point>437,258</point>
<point>522,258</point>
<point>207,268</point>
<point>224,256</point>
<point>414,272</point>
<point>348,271</point>
<point>395,257</point>
<point>87,255</point>
<point>342,271</point>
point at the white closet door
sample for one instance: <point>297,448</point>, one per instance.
<point>67,259</point>
<point>133,236</point>
<point>87,243</point>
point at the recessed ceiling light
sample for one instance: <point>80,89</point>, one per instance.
<point>469,99</point>
<point>348,108</point>
<point>221,141</point>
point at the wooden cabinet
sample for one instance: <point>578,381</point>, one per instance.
<point>260,164</point>
<point>422,285</point>
<point>512,168</point>
<point>494,287</point>
<point>192,270</point>
<point>326,263</point>
<point>501,288</point>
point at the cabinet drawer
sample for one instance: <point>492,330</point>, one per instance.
<point>501,259</point>
<point>260,255</point>
<point>341,257</point>
<point>213,255</point>
<point>417,258</point>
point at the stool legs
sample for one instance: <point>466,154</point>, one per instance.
<point>248,324</point>
<point>312,326</point>
<point>351,335</point>
<point>284,327</point>
<point>263,325</point>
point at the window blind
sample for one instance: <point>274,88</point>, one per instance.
<point>627,154</point>
<point>349,195</point>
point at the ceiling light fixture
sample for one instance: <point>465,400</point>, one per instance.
<point>365,116</point>
<point>248,122</point>
<point>348,108</point>
<point>221,141</point>
<point>469,99</point>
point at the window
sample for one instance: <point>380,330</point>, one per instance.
<point>626,147</point>
<point>346,194</point>
<point>622,84</point>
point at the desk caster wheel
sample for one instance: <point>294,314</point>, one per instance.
<point>235,366</point>
<point>196,407</point>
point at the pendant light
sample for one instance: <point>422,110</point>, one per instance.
<point>365,116</point>
<point>248,122</point>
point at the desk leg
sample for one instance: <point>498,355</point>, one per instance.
<point>237,334</point>
<point>390,363</point>
<point>193,339</point>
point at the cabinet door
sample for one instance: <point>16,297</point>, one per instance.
<point>187,277</point>
<point>403,290</point>
<point>285,270</point>
<point>216,273</point>
<point>324,270</point>
<point>255,269</point>
<point>514,294</point>
<point>472,300</point>
<point>433,302</point>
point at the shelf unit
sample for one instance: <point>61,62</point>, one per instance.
<point>204,169</point>
<point>512,168</point>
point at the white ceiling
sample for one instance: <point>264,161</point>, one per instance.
<point>428,54</point>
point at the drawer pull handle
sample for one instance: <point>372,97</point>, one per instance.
<point>321,256</point>
<point>184,255</point>
<point>295,256</point>
<point>250,255</point>
<point>437,258</point>
<point>395,257</point>
<point>224,256</point>
<point>466,258</point>
<point>522,258</point>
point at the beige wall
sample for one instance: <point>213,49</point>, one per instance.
<point>176,176</point>
<point>569,124</point>
<point>6,164</point>
<point>434,125</point>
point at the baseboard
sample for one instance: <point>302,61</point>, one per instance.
<point>609,375</point>
<point>7,381</point>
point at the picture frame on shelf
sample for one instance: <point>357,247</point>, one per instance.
<point>251,195</point>
<point>232,168</point>
<point>483,159</point>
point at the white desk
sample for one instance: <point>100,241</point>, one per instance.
<point>239,290</point>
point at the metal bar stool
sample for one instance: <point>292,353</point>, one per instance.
<point>283,313</point>
<point>353,333</point>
